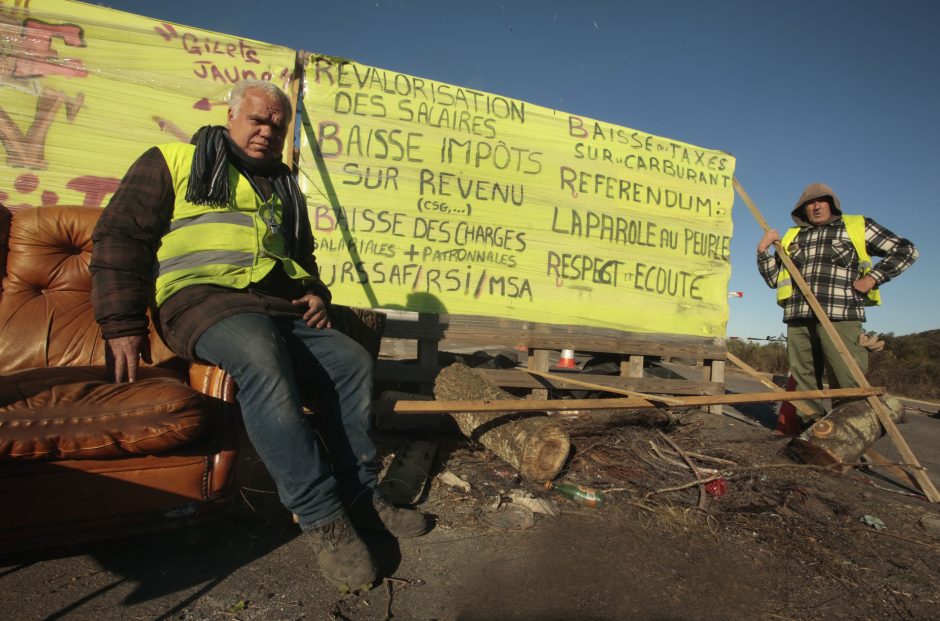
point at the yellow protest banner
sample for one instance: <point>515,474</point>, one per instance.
<point>85,90</point>
<point>431,197</point>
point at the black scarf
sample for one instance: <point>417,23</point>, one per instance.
<point>209,184</point>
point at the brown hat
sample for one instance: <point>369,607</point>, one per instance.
<point>811,193</point>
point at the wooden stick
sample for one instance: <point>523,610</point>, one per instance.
<point>695,473</point>
<point>611,389</point>
<point>749,370</point>
<point>877,459</point>
<point>662,455</point>
<point>923,479</point>
<point>730,472</point>
<point>288,155</point>
<point>871,531</point>
<point>541,405</point>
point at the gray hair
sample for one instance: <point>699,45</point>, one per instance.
<point>238,93</point>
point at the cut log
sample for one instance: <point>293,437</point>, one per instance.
<point>843,435</point>
<point>595,422</point>
<point>534,444</point>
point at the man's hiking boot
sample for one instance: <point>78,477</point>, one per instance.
<point>344,559</point>
<point>375,514</point>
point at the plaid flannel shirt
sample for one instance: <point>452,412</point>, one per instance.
<point>828,262</point>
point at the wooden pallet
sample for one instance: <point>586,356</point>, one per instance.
<point>541,342</point>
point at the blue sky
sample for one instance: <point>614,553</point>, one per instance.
<point>845,92</point>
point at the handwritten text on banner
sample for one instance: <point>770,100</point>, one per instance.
<point>84,90</point>
<point>432,197</point>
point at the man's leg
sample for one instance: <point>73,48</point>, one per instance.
<point>252,350</point>
<point>337,373</point>
<point>803,352</point>
<point>837,370</point>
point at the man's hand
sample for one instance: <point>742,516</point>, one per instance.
<point>315,315</point>
<point>768,240</point>
<point>125,355</point>
<point>864,284</point>
<point>871,342</point>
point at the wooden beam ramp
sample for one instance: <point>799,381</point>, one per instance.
<point>561,405</point>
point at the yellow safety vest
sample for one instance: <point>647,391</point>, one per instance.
<point>231,246</point>
<point>855,227</point>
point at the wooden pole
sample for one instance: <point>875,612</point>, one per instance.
<point>920,474</point>
<point>896,471</point>
<point>559,405</point>
<point>611,389</point>
<point>296,78</point>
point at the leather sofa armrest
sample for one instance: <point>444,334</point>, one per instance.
<point>219,389</point>
<point>212,382</point>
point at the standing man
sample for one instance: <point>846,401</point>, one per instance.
<point>833,253</point>
<point>215,235</point>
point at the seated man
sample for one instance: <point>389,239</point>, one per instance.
<point>215,235</point>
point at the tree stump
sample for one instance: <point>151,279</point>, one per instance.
<point>535,445</point>
<point>843,435</point>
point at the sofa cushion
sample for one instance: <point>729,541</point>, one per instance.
<point>76,413</point>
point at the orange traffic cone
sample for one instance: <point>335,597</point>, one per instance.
<point>567,360</point>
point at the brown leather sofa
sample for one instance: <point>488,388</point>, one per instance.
<point>82,458</point>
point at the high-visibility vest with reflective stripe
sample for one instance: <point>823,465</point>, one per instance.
<point>230,246</point>
<point>855,227</point>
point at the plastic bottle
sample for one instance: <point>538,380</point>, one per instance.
<point>580,494</point>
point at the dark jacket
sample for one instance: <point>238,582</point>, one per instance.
<point>124,254</point>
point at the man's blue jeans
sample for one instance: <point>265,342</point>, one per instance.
<point>278,364</point>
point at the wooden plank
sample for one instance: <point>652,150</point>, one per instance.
<point>513,378</point>
<point>920,473</point>
<point>716,374</point>
<point>634,368</point>
<point>541,405</point>
<point>472,330</point>
<point>538,360</point>
<point>621,391</point>
<point>588,343</point>
<point>409,371</point>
